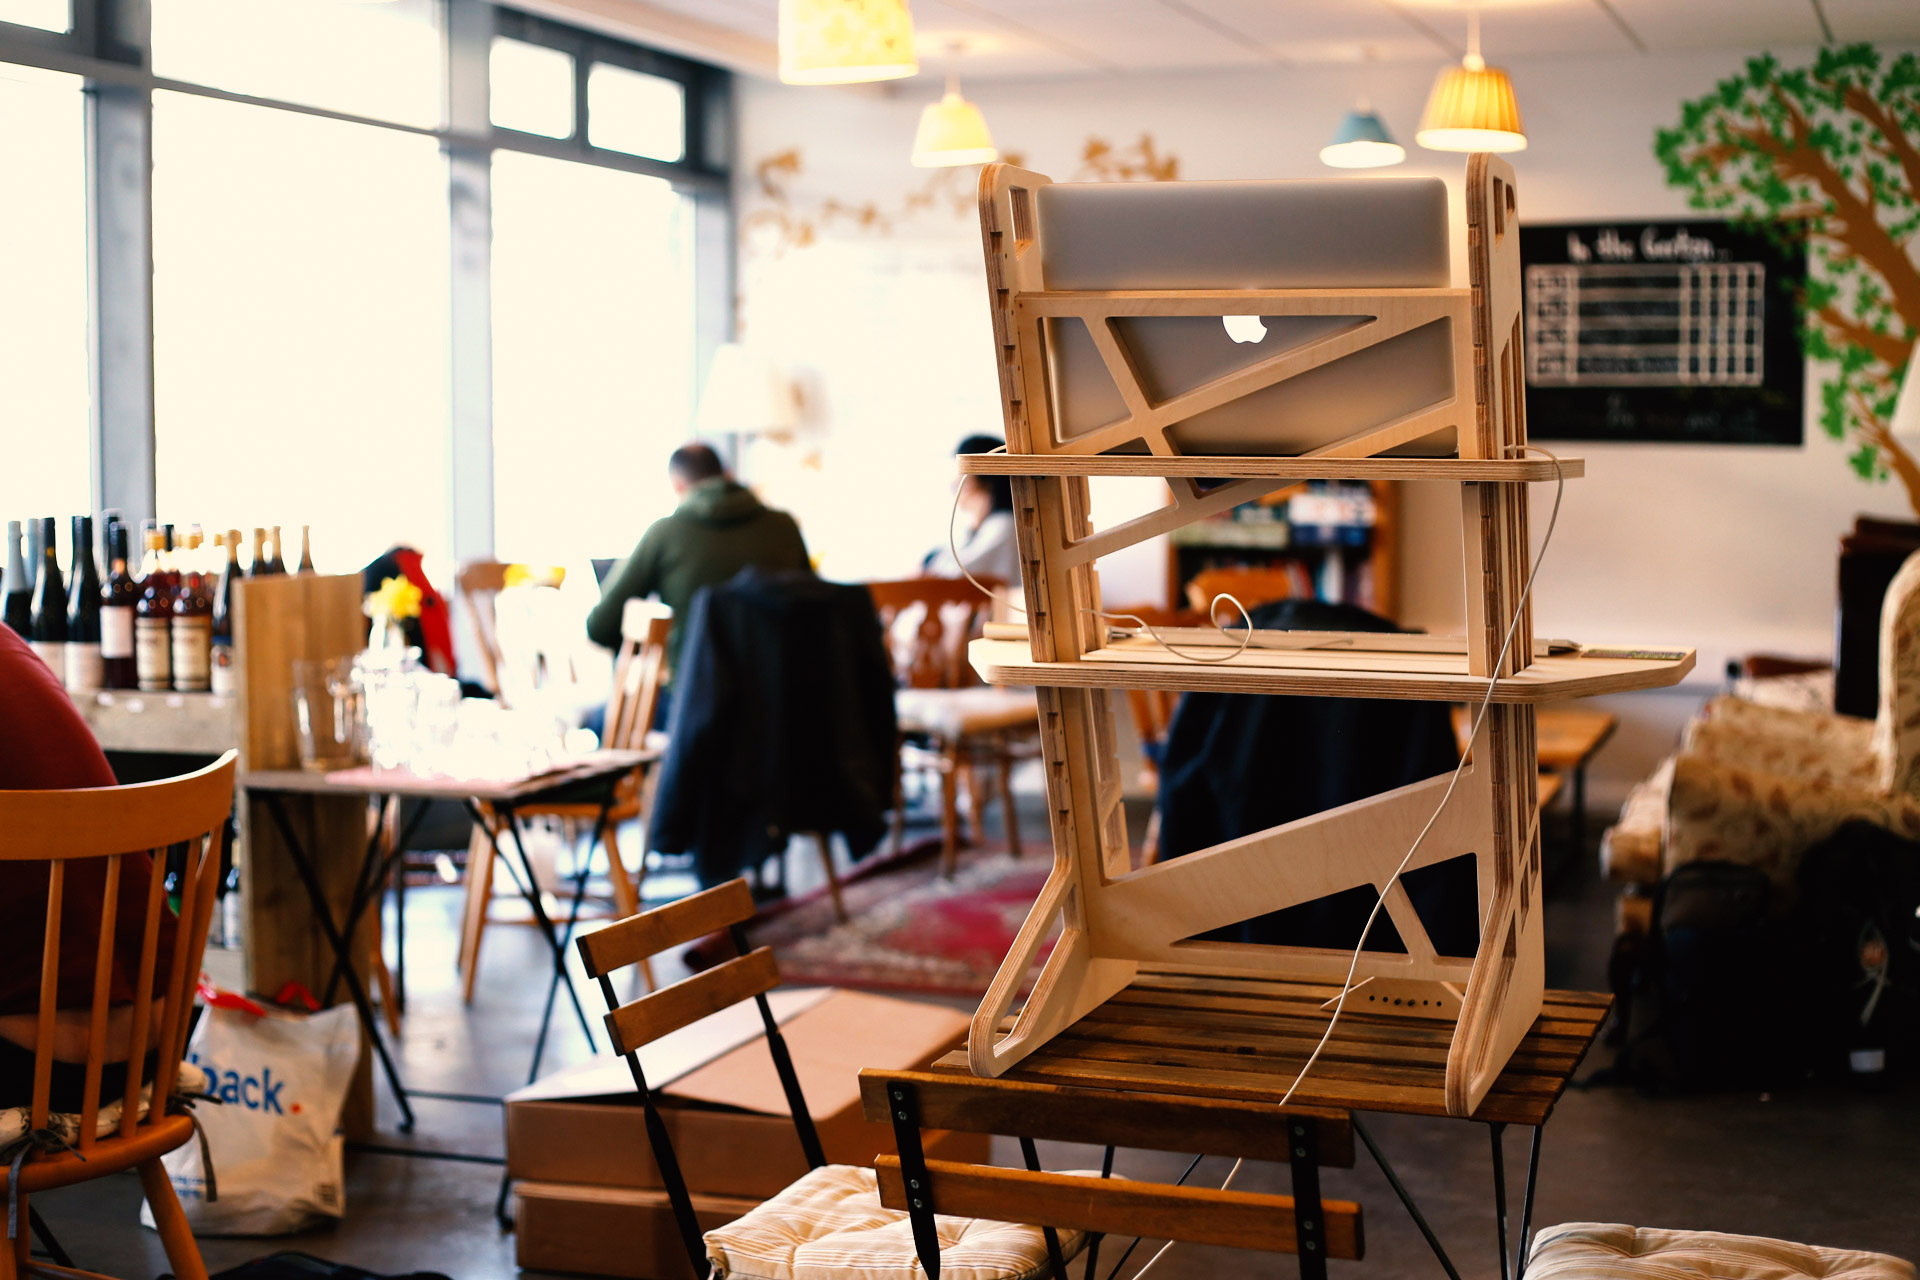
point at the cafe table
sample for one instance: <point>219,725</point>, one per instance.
<point>592,777</point>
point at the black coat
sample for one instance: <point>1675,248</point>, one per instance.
<point>1234,764</point>
<point>782,722</point>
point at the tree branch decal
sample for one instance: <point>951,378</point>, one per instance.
<point>1827,156</point>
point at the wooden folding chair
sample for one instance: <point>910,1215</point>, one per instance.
<point>842,1193</point>
<point>1308,1139</point>
<point>105,831</point>
<point>638,677</point>
<point>950,724</point>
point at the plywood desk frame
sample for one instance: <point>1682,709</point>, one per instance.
<point>1115,924</point>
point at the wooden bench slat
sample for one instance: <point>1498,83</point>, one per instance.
<point>639,937</point>
<point>1154,1122</point>
<point>1197,1215</point>
<point>1290,1040</point>
<point>691,999</point>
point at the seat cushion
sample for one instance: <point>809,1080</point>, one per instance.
<point>830,1225</point>
<point>955,713</point>
<point>1610,1251</point>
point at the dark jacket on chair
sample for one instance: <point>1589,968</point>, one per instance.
<point>782,722</point>
<point>1239,763</point>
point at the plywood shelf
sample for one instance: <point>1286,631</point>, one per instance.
<point>1458,470</point>
<point>1331,673</point>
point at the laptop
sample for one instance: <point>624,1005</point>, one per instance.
<point>1341,233</point>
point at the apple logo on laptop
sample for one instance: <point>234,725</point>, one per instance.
<point>1244,328</point>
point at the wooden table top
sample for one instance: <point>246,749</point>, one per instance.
<point>1194,1035</point>
<point>367,780</point>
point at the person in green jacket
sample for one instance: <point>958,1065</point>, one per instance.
<point>718,529</point>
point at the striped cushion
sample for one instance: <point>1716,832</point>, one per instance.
<point>830,1226</point>
<point>1610,1251</point>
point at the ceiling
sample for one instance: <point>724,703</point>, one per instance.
<point>1079,37</point>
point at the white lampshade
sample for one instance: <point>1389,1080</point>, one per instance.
<point>845,41</point>
<point>1906,406</point>
<point>746,395</point>
<point>1472,108</point>
<point>952,131</point>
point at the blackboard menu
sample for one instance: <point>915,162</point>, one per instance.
<point>1661,331</point>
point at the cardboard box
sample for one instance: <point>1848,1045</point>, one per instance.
<point>723,1103</point>
<point>630,1232</point>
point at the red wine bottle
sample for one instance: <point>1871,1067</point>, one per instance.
<point>117,600</point>
<point>85,671</point>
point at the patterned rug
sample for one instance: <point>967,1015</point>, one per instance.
<point>909,930</point>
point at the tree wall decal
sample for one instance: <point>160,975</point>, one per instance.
<point>1829,155</point>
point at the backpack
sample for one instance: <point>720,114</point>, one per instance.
<point>1859,925</point>
<point>1707,1008</point>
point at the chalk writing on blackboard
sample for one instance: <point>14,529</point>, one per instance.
<point>1660,331</point>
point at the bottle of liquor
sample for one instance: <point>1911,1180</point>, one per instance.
<point>222,672</point>
<point>279,562</point>
<point>19,585</point>
<point>153,616</point>
<point>306,547</point>
<point>117,600</point>
<point>49,621</point>
<point>192,627</point>
<point>262,562</point>
<point>85,671</point>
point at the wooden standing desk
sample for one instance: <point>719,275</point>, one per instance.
<point>1193,1041</point>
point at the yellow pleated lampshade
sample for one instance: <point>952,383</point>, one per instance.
<point>952,131</point>
<point>1472,108</point>
<point>845,41</point>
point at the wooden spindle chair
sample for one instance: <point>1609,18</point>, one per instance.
<point>950,724</point>
<point>844,1193</point>
<point>73,832</point>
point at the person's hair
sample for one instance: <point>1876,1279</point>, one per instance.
<point>692,463</point>
<point>999,488</point>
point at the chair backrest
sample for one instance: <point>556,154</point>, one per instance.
<point>480,583</point>
<point>928,622</point>
<point>638,674</point>
<point>1896,734</point>
<point>104,831</point>
<point>1251,585</point>
<point>1316,1138</point>
<point>750,974</point>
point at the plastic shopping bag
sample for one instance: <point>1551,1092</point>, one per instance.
<point>277,1081</point>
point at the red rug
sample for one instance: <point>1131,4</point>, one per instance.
<point>908,930</point>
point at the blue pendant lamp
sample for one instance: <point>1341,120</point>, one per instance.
<point>1362,142</point>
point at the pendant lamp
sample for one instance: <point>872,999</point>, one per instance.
<point>952,132</point>
<point>1362,142</point>
<point>845,41</point>
<point>1472,107</point>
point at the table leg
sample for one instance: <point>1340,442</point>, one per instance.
<point>1579,811</point>
<point>1526,1204</point>
<point>1031,1156</point>
<point>1406,1199</point>
<point>400,921</point>
<point>373,879</point>
<point>317,898</point>
<point>1094,1238</point>
<point>580,875</point>
<point>1498,1131</point>
<point>1309,1225</point>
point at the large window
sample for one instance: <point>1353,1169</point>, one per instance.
<point>592,354</point>
<point>300,327</point>
<point>45,441</point>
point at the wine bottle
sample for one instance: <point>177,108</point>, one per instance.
<point>117,599</point>
<point>153,616</point>
<point>85,672</point>
<point>306,547</point>
<point>222,672</point>
<point>49,620</point>
<point>192,624</point>
<point>19,585</point>
<point>279,562</point>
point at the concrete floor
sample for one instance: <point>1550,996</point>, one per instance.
<point>1826,1167</point>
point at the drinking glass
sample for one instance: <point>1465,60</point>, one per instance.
<point>329,714</point>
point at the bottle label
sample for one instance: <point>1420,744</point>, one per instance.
<point>86,668</point>
<point>153,653</point>
<point>54,654</point>
<point>116,631</point>
<point>192,654</point>
<point>223,675</point>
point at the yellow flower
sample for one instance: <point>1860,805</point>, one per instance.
<point>534,575</point>
<point>397,599</point>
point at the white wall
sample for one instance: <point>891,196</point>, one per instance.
<point>1729,549</point>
